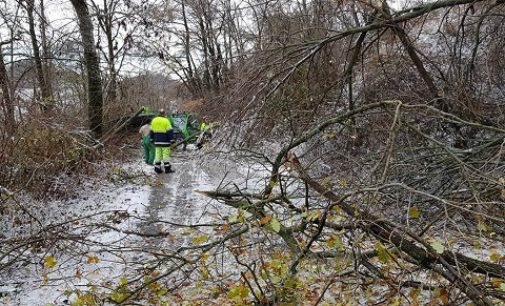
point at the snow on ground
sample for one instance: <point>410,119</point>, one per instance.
<point>134,199</point>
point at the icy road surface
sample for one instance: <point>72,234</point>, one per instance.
<point>116,225</point>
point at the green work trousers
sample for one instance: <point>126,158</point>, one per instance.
<point>148,150</point>
<point>162,154</point>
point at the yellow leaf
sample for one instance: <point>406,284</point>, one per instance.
<point>482,226</point>
<point>343,182</point>
<point>200,239</point>
<point>396,301</point>
<point>382,252</point>
<point>92,260</point>
<point>204,257</point>
<point>325,182</point>
<point>494,256</point>
<point>271,184</point>
<point>117,297</point>
<point>476,243</point>
<point>123,281</point>
<point>205,272</point>
<point>275,225</point>
<point>331,241</point>
<point>414,212</point>
<point>238,292</point>
<point>313,215</point>
<point>496,282</point>
<point>50,262</point>
<point>329,135</point>
<point>336,241</point>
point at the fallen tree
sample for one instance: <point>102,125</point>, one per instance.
<point>397,236</point>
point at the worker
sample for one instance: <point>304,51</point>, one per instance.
<point>162,136</point>
<point>145,132</point>
<point>205,134</point>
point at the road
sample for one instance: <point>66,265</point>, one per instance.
<point>124,222</point>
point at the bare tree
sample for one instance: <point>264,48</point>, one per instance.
<point>46,95</point>
<point>7,104</point>
<point>46,51</point>
<point>94,80</point>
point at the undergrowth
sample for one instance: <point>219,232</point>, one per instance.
<point>45,158</point>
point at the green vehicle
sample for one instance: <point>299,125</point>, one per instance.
<point>185,125</point>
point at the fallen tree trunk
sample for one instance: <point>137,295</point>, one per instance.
<point>113,132</point>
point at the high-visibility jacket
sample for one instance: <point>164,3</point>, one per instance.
<point>162,134</point>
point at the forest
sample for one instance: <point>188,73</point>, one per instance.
<point>357,153</point>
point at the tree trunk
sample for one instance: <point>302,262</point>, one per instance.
<point>195,87</point>
<point>411,50</point>
<point>46,53</point>
<point>205,49</point>
<point>45,92</point>
<point>111,57</point>
<point>7,105</point>
<point>348,73</point>
<point>95,95</point>
<point>409,47</point>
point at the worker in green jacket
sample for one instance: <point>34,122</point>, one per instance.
<point>162,136</point>
<point>145,132</point>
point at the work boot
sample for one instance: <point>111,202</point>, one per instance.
<point>168,168</point>
<point>157,168</point>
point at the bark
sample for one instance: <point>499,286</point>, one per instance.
<point>192,79</point>
<point>107,25</point>
<point>205,47</point>
<point>348,71</point>
<point>358,46</point>
<point>46,102</point>
<point>94,80</point>
<point>7,105</point>
<point>46,51</point>
<point>212,46</point>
